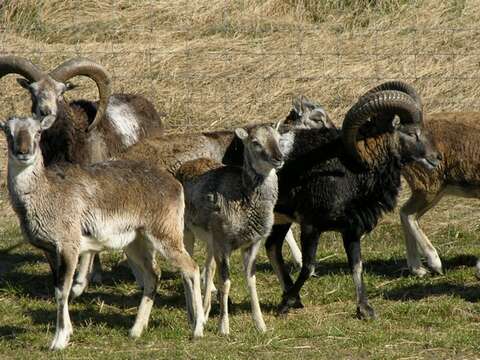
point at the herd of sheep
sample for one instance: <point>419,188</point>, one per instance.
<point>86,176</point>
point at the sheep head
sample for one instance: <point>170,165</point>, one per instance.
<point>47,89</point>
<point>390,111</point>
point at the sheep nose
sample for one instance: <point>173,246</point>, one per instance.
<point>439,157</point>
<point>22,150</point>
<point>278,157</point>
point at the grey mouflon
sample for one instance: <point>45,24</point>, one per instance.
<point>66,210</point>
<point>172,150</point>
<point>231,208</point>
<point>84,132</point>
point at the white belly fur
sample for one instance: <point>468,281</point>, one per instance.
<point>112,234</point>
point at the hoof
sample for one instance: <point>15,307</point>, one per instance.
<point>135,332</point>
<point>224,329</point>
<point>366,312</point>
<point>77,290</point>
<point>198,332</point>
<point>262,328</point>
<point>288,303</point>
<point>435,265</point>
<point>96,278</point>
<point>419,271</point>
<point>60,341</point>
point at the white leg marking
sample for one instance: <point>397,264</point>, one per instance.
<point>249,256</point>
<point>294,249</point>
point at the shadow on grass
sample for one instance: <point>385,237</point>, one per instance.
<point>421,291</point>
<point>9,331</point>
<point>393,267</point>
<point>10,261</point>
<point>119,310</point>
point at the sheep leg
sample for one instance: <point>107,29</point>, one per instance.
<point>273,246</point>
<point>96,277</point>
<point>309,239</point>
<point>83,275</point>
<point>52,261</point>
<point>249,257</point>
<point>142,255</point>
<point>210,266</point>
<point>177,255</point>
<point>477,273</point>
<point>418,204</point>
<point>351,244</point>
<point>294,249</point>
<point>223,289</point>
<point>65,264</point>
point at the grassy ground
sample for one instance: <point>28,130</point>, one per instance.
<point>216,64</point>
<point>435,317</point>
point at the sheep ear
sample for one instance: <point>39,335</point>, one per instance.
<point>3,125</point>
<point>47,121</point>
<point>24,83</point>
<point>241,133</point>
<point>396,123</point>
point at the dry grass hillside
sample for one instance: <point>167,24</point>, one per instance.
<point>212,64</point>
<point>215,64</point>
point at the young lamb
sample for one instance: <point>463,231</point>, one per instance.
<point>66,210</point>
<point>231,208</point>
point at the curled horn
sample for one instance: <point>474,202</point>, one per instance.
<point>278,124</point>
<point>94,71</point>
<point>372,106</point>
<point>399,86</point>
<point>20,66</point>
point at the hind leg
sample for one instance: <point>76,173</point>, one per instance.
<point>351,243</point>
<point>210,267</point>
<point>84,273</point>
<point>174,251</point>
<point>294,249</point>
<point>96,277</point>
<point>415,239</point>
<point>142,255</point>
<point>249,257</point>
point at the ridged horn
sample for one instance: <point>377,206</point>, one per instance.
<point>399,86</point>
<point>373,106</point>
<point>20,66</point>
<point>94,71</point>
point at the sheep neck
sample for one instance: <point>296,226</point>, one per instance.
<point>256,181</point>
<point>378,149</point>
<point>25,180</point>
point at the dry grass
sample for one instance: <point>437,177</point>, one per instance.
<point>216,64</point>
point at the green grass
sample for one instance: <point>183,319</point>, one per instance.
<point>434,317</point>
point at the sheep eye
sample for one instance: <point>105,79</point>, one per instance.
<point>256,145</point>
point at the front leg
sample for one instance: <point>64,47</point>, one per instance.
<point>273,246</point>
<point>249,257</point>
<point>223,289</point>
<point>67,261</point>
<point>309,239</point>
<point>351,242</point>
